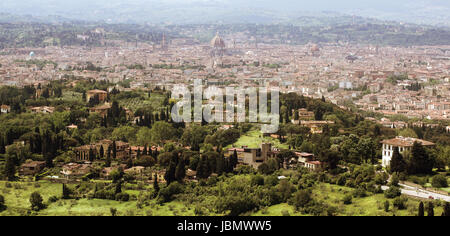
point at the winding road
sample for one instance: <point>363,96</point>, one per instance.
<point>420,193</point>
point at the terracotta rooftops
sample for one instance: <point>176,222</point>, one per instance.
<point>406,142</point>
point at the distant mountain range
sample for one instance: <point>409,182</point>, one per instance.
<point>431,12</point>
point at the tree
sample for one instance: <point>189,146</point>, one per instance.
<point>2,146</point>
<point>234,159</point>
<point>36,201</point>
<point>421,209</point>
<point>144,136</point>
<point>220,165</point>
<point>102,152</point>
<point>180,171</point>
<point>145,152</point>
<point>408,133</point>
<point>114,150</point>
<point>10,168</point>
<point>302,198</point>
<point>420,162</point>
<point>430,209</point>
<point>318,113</point>
<point>397,164</point>
<point>91,155</point>
<point>2,203</point>
<point>439,181</point>
<point>169,176</point>
<point>155,185</point>
<point>386,206</point>
<point>330,158</point>
<point>66,192</point>
<point>395,180</point>
<point>113,211</point>
<point>203,170</point>
<point>162,131</point>
<point>194,136</point>
<point>108,157</point>
<point>446,209</point>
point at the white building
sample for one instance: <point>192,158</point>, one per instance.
<point>402,143</point>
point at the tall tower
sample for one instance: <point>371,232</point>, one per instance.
<point>164,46</point>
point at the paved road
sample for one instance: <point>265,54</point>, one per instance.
<point>420,193</point>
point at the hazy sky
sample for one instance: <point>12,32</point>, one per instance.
<point>413,10</point>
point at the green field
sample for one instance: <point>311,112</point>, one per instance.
<point>17,202</point>
<point>254,139</point>
<point>155,101</point>
<point>372,205</point>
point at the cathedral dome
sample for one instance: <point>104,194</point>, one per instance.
<point>217,42</point>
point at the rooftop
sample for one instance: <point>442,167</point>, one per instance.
<point>406,142</point>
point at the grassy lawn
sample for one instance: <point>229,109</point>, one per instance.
<point>99,207</point>
<point>277,210</point>
<point>254,139</point>
<point>70,96</point>
<point>17,202</point>
<point>372,205</point>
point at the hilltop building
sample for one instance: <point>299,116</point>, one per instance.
<point>403,144</point>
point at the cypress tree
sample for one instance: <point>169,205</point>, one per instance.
<point>421,209</point>
<point>145,152</point>
<point>220,165</point>
<point>430,209</point>
<point>102,152</point>
<point>108,157</point>
<point>65,192</point>
<point>10,168</point>
<point>180,171</point>
<point>234,159</point>
<point>203,171</point>
<point>2,146</point>
<point>446,209</point>
<point>421,163</point>
<point>91,155</point>
<point>114,150</point>
<point>155,184</point>
<point>169,176</point>
<point>397,163</point>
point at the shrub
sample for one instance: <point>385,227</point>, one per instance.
<point>386,206</point>
<point>2,203</point>
<point>257,180</point>
<point>400,202</point>
<point>301,198</point>
<point>392,192</point>
<point>341,180</point>
<point>347,199</point>
<point>166,194</point>
<point>113,211</point>
<point>285,213</point>
<point>395,180</point>
<point>359,193</point>
<point>53,199</point>
<point>123,197</point>
<point>36,201</point>
<point>439,181</point>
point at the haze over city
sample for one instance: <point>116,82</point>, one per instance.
<point>230,11</point>
<point>224,108</point>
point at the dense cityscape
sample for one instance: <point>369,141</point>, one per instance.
<point>86,124</point>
